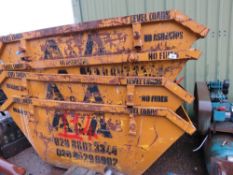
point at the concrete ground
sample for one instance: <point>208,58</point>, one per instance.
<point>179,159</point>
<point>33,164</point>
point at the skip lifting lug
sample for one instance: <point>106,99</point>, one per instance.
<point>130,104</point>
<point>137,36</point>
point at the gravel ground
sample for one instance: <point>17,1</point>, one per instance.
<point>179,159</point>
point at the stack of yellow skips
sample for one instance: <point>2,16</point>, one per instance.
<point>102,93</point>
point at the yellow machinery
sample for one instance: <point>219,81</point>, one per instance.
<point>103,93</point>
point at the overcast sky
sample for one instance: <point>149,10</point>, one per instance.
<point>26,15</point>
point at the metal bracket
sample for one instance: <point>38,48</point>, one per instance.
<point>130,95</point>
<point>132,125</point>
<point>22,51</point>
<point>1,46</point>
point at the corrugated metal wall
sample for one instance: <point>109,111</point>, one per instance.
<point>217,58</point>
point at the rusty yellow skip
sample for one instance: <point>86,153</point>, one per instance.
<point>103,93</point>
